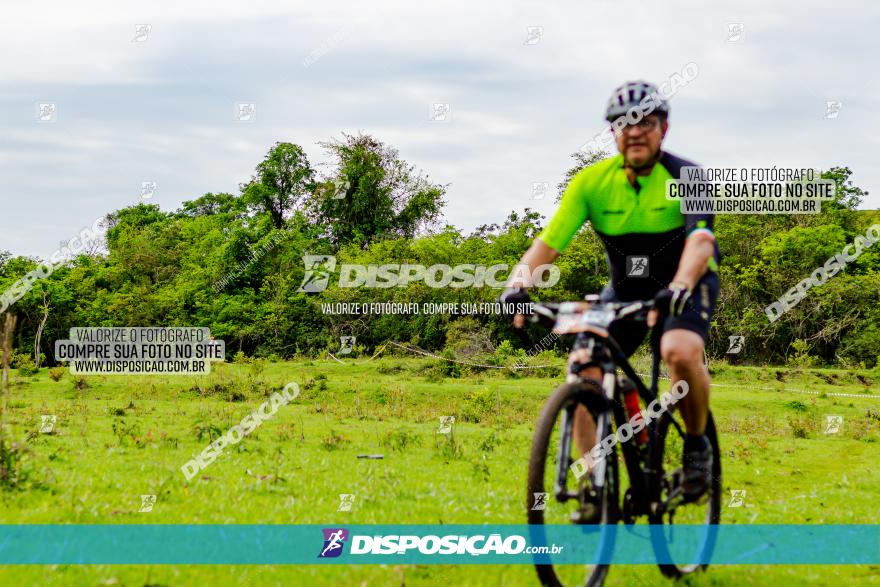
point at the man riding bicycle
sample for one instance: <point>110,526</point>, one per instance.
<point>653,251</point>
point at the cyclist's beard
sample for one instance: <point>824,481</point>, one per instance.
<point>644,166</point>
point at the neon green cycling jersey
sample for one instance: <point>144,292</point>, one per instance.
<point>631,221</point>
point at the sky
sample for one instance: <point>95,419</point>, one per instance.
<point>160,103</point>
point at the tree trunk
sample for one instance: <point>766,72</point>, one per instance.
<point>40,330</point>
<point>6,348</point>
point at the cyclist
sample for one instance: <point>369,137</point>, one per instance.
<point>652,251</point>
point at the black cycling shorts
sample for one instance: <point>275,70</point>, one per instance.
<point>629,334</point>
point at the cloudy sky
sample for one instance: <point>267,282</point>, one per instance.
<point>160,105</point>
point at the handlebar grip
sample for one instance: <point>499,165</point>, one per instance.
<point>543,316</point>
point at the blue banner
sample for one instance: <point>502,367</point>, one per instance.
<point>438,544</point>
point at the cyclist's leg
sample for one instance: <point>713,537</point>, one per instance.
<point>682,347</point>
<point>682,350</point>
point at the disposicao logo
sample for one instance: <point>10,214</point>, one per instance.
<point>334,540</point>
<point>320,268</point>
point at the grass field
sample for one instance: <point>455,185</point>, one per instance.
<point>116,438</point>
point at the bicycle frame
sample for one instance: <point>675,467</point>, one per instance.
<point>606,354</point>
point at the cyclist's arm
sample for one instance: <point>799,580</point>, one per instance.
<point>694,261</point>
<point>698,255</point>
<point>538,254</point>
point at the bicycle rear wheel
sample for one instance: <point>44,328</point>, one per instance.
<point>553,451</point>
<point>666,454</point>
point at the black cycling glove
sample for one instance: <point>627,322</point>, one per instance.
<point>673,300</point>
<point>514,295</point>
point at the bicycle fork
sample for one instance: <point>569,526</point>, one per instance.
<point>598,467</point>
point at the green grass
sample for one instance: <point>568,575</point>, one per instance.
<point>117,438</point>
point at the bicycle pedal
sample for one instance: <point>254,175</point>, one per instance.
<point>588,514</point>
<point>701,499</point>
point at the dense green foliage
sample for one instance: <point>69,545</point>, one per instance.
<point>234,263</point>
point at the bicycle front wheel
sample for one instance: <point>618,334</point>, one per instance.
<point>554,493</point>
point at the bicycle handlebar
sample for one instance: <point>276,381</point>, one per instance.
<point>547,314</point>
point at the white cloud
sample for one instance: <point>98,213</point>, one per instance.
<point>161,110</point>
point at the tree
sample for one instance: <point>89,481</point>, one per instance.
<point>582,160</point>
<point>211,204</point>
<point>282,179</point>
<point>374,193</point>
<point>133,218</point>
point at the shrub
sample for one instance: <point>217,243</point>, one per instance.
<point>333,441</point>
<point>466,338</point>
<point>478,404</point>
<point>25,365</point>
<point>13,472</point>
<point>56,373</point>
<point>447,365</point>
<point>398,440</point>
<point>802,427</point>
<point>489,443</point>
<point>480,470</point>
<point>801,358</point>
<point>204,430</point>
<point>796,406</point>
<point>446,447</point>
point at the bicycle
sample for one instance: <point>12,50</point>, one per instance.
<point>654,469</point>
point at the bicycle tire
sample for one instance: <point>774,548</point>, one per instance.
<point>589,394</point>
<point>713,512</point>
